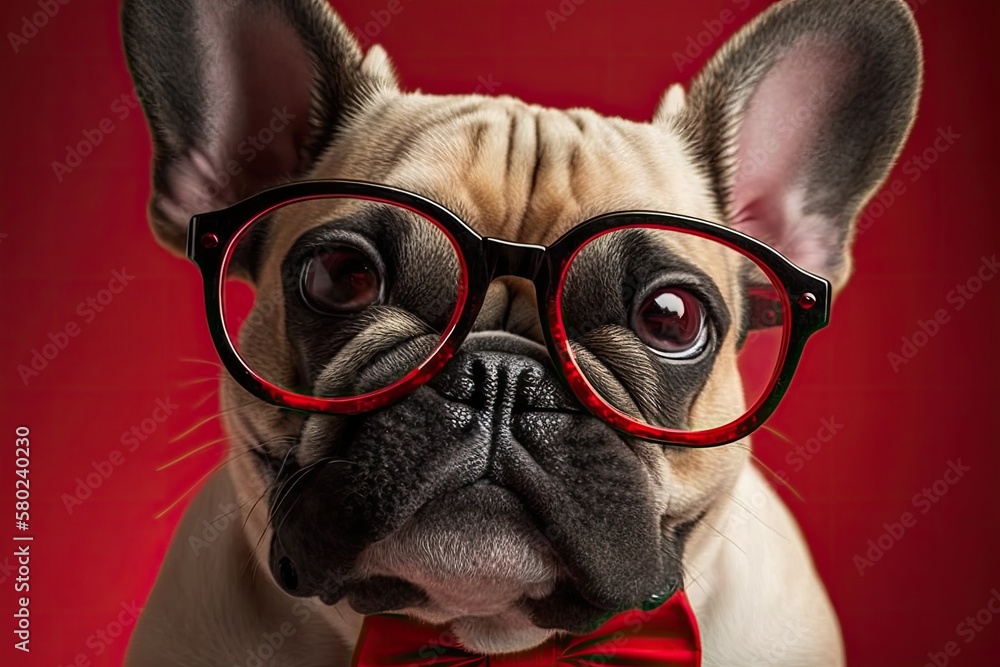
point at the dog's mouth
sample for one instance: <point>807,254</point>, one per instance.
<point>496,506</point>
<point>504,554</point>
<point>459,568</point>
<point>502,589</point>
<point>441,570</point>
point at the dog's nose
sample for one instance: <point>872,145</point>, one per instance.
<point>514,400</point>
<point>502,384</point>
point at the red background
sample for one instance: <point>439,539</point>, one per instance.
<point>899,429</point>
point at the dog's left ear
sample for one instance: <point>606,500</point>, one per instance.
<point>798,119</point>
<point>241,95</point>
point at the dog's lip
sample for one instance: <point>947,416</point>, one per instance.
<point>563,606</point>
<point>375,595</point>
<point>384,565</point>
<point>563,609</point>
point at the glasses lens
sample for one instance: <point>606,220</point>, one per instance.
<point>340,297</point>
<point>676,330</point>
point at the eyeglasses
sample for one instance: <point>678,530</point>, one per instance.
<point>666,327</point>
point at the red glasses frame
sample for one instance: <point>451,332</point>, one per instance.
<point>805,299</point>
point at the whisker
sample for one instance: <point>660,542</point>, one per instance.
<point>767,468</point>
<point>685,573</point>
<point>270,484</point>
<point>293,481</point>
<point>270,517</point>
<point>201,401</point>
<point>697,580</point>
<point>298,479</point>
<point>210,418</point>
<point>725,537</point>
<point>747,510</point>
<point>232,511</point>
<point>190,383</point>
<point>290,485</point>
<point>776,476</point>
<point>191,488</point>
<point>776,432</point>
<point>222,464</point>
<point>192,360</point>
<point>194,428</point>
<point>298,475</point>
<point>191,453</point>
<point>277,530</point>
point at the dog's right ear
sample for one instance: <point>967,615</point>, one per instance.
<point>240,95</point>
<point>798,119</point>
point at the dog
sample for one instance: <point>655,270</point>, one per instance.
<point>785,135</point>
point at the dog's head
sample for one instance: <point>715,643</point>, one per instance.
<point>515,514</point>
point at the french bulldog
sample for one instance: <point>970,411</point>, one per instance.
<point>784,135</point>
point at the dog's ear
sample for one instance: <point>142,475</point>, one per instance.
<point>798,119</point>
<point>240,95</point>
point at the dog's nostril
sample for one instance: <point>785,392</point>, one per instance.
<point>286,571</point>
<point>505,381</point>
<point>467,384</point>
<point>483,381</point>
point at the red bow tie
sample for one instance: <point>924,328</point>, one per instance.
<point>664,637</point>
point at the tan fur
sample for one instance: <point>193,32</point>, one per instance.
<point>523,173</point>
<point>648,167</point>
<point>572,153</point>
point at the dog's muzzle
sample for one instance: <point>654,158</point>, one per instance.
<point>490,463</point>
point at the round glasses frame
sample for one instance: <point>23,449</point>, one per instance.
<point>805,299</point>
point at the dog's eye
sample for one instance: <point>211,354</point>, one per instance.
<point>672,322</point>
<point>340,279</point>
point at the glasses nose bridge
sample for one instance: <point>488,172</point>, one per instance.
<point>507,258</point>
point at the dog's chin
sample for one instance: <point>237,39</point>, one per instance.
<point>501,633</point>
<point>471,560</point>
